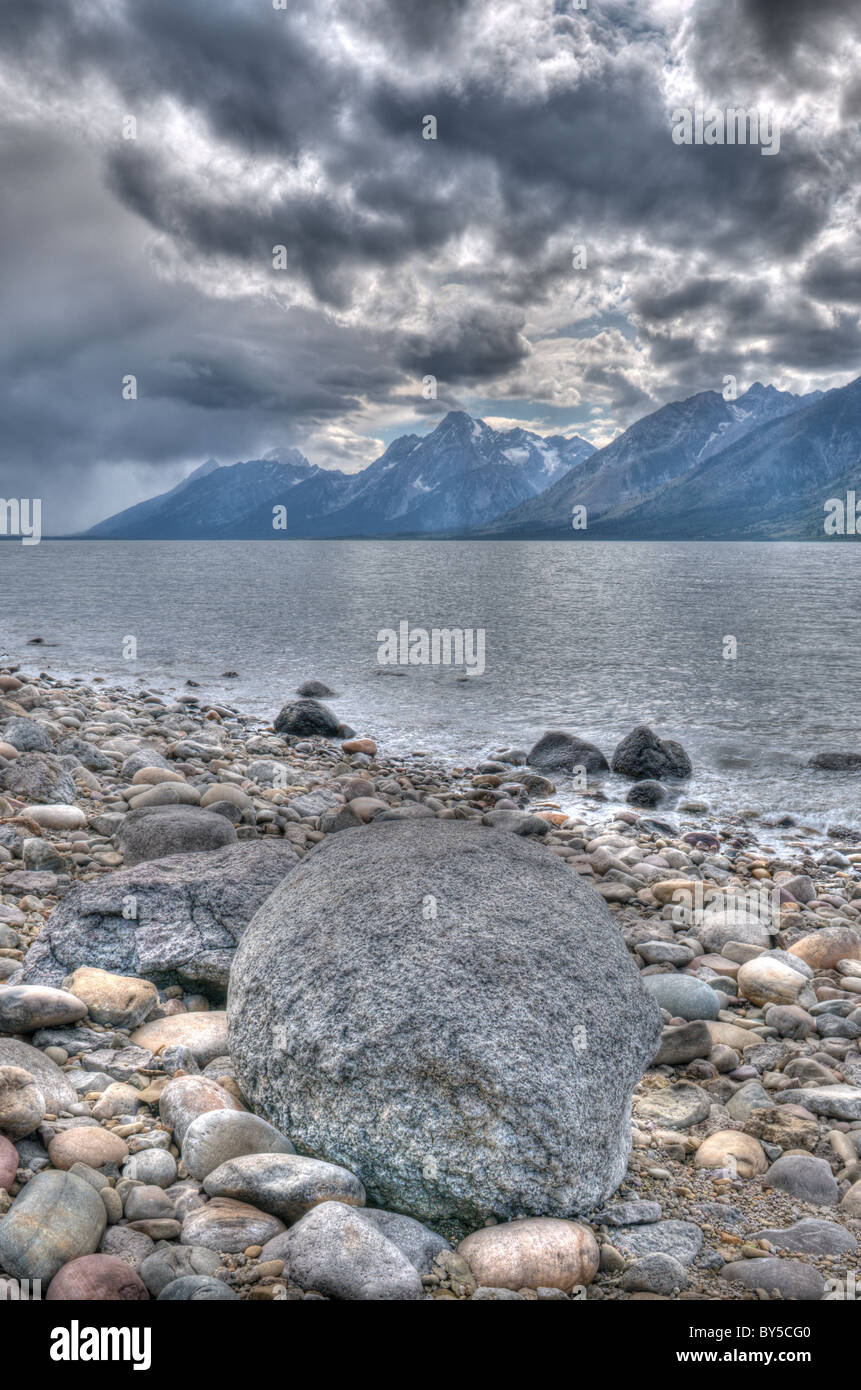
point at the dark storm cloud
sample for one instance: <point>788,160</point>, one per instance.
<point>259,127</point>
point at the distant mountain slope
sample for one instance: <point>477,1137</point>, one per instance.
<point>773,483</point>
<point>461,475</point>
<point>653,455</point>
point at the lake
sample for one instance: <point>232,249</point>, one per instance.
<point>588,636</point>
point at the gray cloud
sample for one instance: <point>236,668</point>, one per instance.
<point>405,256</point>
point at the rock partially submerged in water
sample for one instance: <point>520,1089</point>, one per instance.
<point>836,762</point>
<point>307,719</point>
<point>174,921</point>
<point>643,756</point>
<point>557,751</point>
<point>448,1012</point>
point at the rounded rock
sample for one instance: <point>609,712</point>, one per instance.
<point>219,1135</point>
<point>766,981</point>
<point>117,1001</point>
<point>538,1252</point>
<point>375,1066</point>
<point>204,1034</point>
<point>183,1099</point>
<point>730,1148</point>
<point>87,1144</point>
<point>54,1219</point>
<point>97,1278</point>
<point>22,1105</point>
<point>197,1288</point>
<point>27,1008</point>
<point>287,1185</point>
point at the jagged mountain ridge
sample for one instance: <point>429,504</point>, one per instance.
<point>460,475</point>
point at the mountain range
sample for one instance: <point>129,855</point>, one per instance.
<point>760,467</point>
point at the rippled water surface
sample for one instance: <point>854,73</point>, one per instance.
<point>591,637</point>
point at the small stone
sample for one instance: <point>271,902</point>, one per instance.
<point>22,1105</point>
<point>168,1263</point>
<point>544,1251</point>
<point>287,1185</point>
<point>655,1273</point>
<point>805,1177</point>
<point>768,981</point>
<point>186,1097</point>
<point>197,1288</point>
<point>91,1145</point>
<point>117,1001</point>
<point>683,996</point>
<point>811,1236</point>
<point>731,1149</point>
<point>204,1034</point>
<point>102,1278</point>
<point>219,1135</point>
<point>229,1226</point>
<point>336,1251</point>
<point>675,1107</point>
<point>681,1239</point>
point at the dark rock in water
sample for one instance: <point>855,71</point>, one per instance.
<point>701,839</point>
<point>187,913</point>
<point>646,794</point>
<point>27,735</point>
<point>230,675</point>
<point>557,751</point>
<point>153,832</point>
<point>39,778</point>
<point>836,762</point>
<point>307,718</point>
<point>642,755</point>
<point>316,690</point>
<point>454,1080</point>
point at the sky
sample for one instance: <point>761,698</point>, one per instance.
<point>153,153</point>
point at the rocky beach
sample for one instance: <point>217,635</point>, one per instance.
<point>284,1016</point>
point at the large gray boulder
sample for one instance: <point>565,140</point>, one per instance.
<point>645,757</point>
<point>450,1013</point>
<point>154,832</point>
<point>175,921</point>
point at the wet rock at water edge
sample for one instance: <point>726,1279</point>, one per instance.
<point>557,751</point>
<point>307,719</point>
<point>643,756</point>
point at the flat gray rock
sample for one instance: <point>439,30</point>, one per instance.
<point>811,1237</point>
<point>789,1278</point>
<point>681,1239</point>
<point>477,1061</point>
<point>191,910</point>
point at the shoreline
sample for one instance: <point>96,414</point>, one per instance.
<point>709,1128</point>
